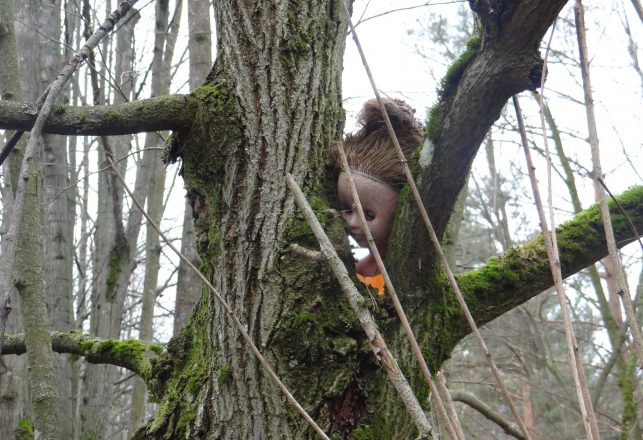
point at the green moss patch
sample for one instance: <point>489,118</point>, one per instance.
<point>24,430</point>
<point>449,85</point>
<point>178,377</point>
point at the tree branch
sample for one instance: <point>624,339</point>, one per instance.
<point>132,354</point>
<point>521,273</point>
<point>487,412</point>
<point>501,62</point>
<point>171,112</point>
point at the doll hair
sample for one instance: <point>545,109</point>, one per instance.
<point>370,151</point>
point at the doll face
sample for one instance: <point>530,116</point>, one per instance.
<point>378,201</point>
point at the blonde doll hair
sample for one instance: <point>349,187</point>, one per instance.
<point>370,151</point>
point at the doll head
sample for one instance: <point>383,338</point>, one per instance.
<point>376,168</point>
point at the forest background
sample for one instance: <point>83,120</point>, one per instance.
<point>410,48</point>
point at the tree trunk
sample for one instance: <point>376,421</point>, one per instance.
<point>40,358</point>
<point>188,289</point>
<point>40,362</point>
<point>152,266</point>
<point>14,402</point>
<point>29,253</point>
<point>188,285</point>
<point>165,38</point>
<point>114,257</point>
<point>72,29</point>
<point>58,215</point>
<point>234,166</point>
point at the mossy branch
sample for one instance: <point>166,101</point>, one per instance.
<point>132,354</point>
<point>512,278</point>
<point>171,112</point>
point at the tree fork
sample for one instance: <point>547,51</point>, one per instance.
<point>500,62</point>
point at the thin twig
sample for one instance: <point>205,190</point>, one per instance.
<point>378,346</point>
<point>621,279</point>
<point>408,8</point>
<point>621,337</point>
<point>100,170</point>
<point>444,389</point>
<point>308,254</point>
<point>622,211</point>
<point>590,417</point>
<point>554,265</point>
<point>244,334</point>
<point>436,242</point>
<point>487,412</point>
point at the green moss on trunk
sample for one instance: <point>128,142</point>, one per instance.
<point>24,430</point>
<point>179,376</point>
<point>449,85</point>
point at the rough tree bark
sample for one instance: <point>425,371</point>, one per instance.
<point>276,110</point>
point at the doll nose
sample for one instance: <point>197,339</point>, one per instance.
<point>353,220</point>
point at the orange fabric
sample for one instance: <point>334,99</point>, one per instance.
<point>377,282</point>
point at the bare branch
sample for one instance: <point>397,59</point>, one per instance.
<point>408,331</point>
<point>308,254</point>
<point>597,173</point>
<point>171,112</point>
<point>551,246</point>
<point>638,8</point>
<point>622,211</point>
<point>487,412</point>
<point>442,384</point>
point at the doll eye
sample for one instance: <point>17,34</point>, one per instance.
<point>369,215</point>
<point>347,211</point>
